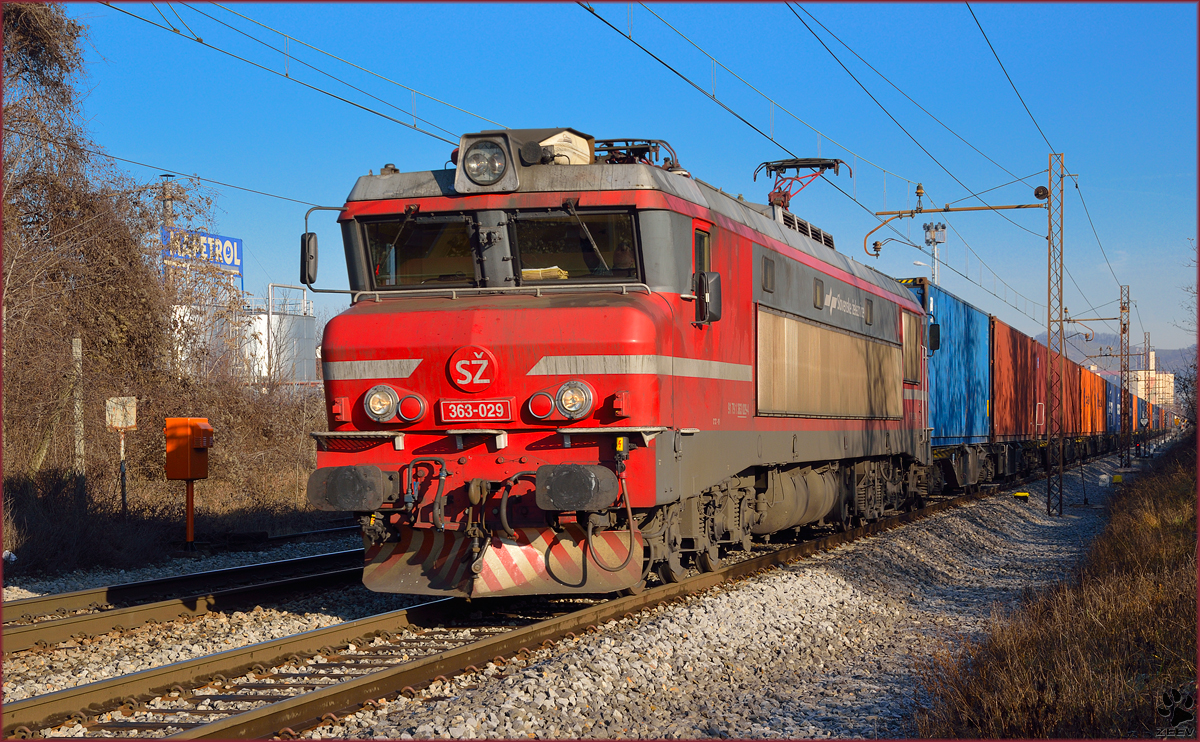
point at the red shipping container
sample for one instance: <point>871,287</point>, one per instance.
<point>1018,384</point>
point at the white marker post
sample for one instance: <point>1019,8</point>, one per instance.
<point>121,415</point>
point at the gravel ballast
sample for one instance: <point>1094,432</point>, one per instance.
<point>77,663</point>
<point>826,647</point>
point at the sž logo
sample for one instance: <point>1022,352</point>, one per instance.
<point>472,368</point>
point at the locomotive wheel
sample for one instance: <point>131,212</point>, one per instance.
<point>709,560</point>
<point>673,569</point>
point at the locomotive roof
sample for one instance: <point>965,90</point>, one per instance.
<point>624,177</point>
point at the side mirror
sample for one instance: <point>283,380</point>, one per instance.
<point>708,297</point>
<point>308,258</point>
<point>935,337</point>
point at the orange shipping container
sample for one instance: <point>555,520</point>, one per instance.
<point>1072,398</point>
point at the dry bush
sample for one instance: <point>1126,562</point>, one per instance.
<point>82,260</point>
<point>1087,658</point>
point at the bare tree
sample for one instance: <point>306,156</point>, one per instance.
<point>1185,374</point>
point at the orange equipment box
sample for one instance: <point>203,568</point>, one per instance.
<point>188,441</point>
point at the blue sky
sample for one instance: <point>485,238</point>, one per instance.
<point>1112,86</point>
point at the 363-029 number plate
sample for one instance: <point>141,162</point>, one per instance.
<point>475,410</point>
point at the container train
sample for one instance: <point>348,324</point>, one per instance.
<point>568,363</point>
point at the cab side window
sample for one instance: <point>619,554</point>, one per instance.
<point>701,255</point>
<point>912,348</point>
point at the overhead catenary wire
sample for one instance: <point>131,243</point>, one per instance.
<point>317,69</point>
<point>883,108</point>
<point>1138,312</point>
<point>286,77</point>
<point>1091,307</point>
<point>686,79</point>
<point>1077,287</point>
<point>888,113</point>
<point>156,167</point>
<point>774,103</point>
<point>901,238</point>
<point>995,275</point>
<point>982,262</point>
<point>185,25</point>
<point>1045,139</point>
<point>360,68</point>
<point>994,188</point>
<point>918,105</point>
<point>1094,232</point>
<point>160,13</point>
<point>1009,78</point>
<point>899,235</point>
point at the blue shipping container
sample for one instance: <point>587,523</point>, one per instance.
<point>1112,414</point>
<point>959,371</point>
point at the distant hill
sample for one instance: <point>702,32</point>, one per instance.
<point>1167,360</point>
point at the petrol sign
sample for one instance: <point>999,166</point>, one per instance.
<point>183,244</point>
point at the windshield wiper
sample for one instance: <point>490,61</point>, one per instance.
<point>569,205</point>
<point>408,213</point>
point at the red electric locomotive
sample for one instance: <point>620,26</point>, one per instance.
<point>566,364</point>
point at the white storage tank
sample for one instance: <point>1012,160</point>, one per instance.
<point>281,336</point>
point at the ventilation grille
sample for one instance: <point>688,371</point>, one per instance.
<point>791,221</point>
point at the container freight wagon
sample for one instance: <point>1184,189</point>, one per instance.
<point>1018,385</point>
<point>1014,404</point>
<point>1113,416</point>
<point>1018,399</point>
<point>959,383</point>
<point>1092,389</point>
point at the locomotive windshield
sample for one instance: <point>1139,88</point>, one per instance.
<point>430,251</point>
<point>436,251</point>
<point>560,247</point>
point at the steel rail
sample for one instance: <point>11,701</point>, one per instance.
<point>196,582</point>
<point>44,634</point>
<point>308,709</point>
<point>52,708</point>
<point>233,540</point>
<point>311,709</point>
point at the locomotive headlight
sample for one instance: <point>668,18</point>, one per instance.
<point>485,162</point>
<point>574,399</point>
<point>381,402</point>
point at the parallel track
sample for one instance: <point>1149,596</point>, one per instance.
<point>369,658</point>
<point>48,619</point>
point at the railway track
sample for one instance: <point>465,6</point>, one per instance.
<point>302,681</point>
<point>234,541</point>
<point>41,622</point>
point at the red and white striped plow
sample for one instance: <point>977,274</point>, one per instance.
<point>536,561</point>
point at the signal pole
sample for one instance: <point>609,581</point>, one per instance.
<point>1146,358</point>
<point>935,234</point>
<point>1148,376</point>
<point>1055,458</point>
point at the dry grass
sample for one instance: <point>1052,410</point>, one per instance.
<point>1089,657</point>
<point>258,472</point>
